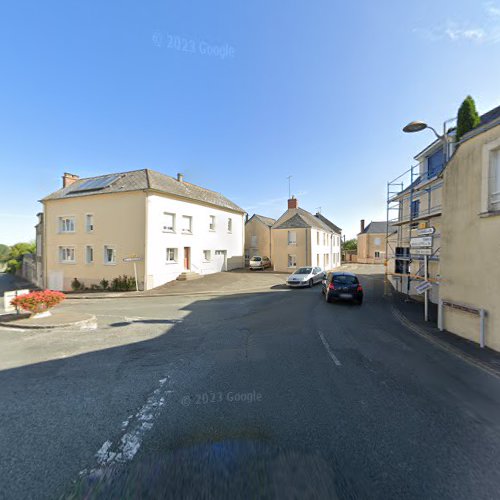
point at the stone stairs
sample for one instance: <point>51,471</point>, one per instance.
<point>188,275</point>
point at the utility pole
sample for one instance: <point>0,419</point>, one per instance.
<point>289,187</point>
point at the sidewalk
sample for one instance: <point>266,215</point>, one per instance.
<point>411,314</point>
<point>58,319</point>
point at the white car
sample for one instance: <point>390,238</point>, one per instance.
<point>258,262</point>
<point>306,276</point>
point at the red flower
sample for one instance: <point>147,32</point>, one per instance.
<point>37,302</point>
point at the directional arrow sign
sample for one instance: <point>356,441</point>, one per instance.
<point>421,251</point>
<point>421,242</point>
<point>423,287</point>
<point>132,259</point>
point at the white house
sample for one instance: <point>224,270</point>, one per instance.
<point>171,226</point>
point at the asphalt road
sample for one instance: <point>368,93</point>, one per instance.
<point>264,395</point>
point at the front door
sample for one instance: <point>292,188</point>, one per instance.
<point>187,258</point>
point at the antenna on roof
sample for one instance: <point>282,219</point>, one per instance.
<point>318,210</point>
<point>289,187</point>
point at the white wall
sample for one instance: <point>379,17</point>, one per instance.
<point>158,271</point>
<point>332,248</point>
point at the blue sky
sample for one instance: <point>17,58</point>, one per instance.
<point>317,90</point>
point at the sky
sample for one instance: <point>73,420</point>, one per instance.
<point>236,95</point>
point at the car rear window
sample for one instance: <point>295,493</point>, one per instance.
<point>345,280</point>
<point>303,270</point>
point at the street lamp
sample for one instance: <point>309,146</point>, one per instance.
<point>418,126</point>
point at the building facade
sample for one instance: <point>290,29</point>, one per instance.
<point>170,226</point>
<point>470,242</point>
<point>258,236</point>
<point>299,238</point>
<point>372,242</point>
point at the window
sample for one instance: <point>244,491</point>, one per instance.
<point>324,239</point>
<point>494,181</point>
<point>377,255</point>
<point>89,254</point>
<point>168,222</point>
<point>109,255</point>
<point>377,242</point>
<point>435,163</point>
<point>292,238</point>
<point>171,255</point>
<point>292,261</point>
<point>317,259</point>
<point>66,224</point>
<point>187,224</point>
<point>67,255</point>
<point>207,255</point>
<point>327,260</point>
<point>89,223</point>
<point>253,241</point>
<point>317,238</point>
<point>211,226</point>
<point>415,209</point>
<point>229,225</point>
<point>345,279</point>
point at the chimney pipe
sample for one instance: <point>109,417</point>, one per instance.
<point>69,179</point>
<point>180,177</point>
<point>362,225</point>
<point>293,202</point>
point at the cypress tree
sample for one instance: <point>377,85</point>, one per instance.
<point>468,117</point>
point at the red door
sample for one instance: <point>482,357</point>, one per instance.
<point>187,259</point>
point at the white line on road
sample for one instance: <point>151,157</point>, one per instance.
<point>328,349</point>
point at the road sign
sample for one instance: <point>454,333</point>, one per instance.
<point>427,231</point>
<point>421,242</point>
<point>423,287</point>
<point>132,259</point>
<point>421,251</point>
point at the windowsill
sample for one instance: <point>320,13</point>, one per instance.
<point>67,263</point>
<point>490,213</point>
<point>187,232</point>
<point>168,231</point>
<point>212,230</point>
<point>66,232</point>
<point>292,244</point>
<point>110,263</point>
<point>169,262</point>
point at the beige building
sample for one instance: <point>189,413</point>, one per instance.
<point>299,238</point>
<point>372,242</point>
<point>470,234</point>
<point>172,226</point>
<point>258,236</point>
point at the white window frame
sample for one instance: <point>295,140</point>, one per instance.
<point>487,207</point>
<point>188,218</point>
<point>292,241</point>
<point>166,228</point>
<point>494,181</point>
<point>175,255</point>
<point>89,223</point>
<point>62,226</point>
<point>290,264</point>
<point>60,250</point>
<point>105,256</point>
<point>205,253</point>
<point>87,261</point>
<point>229,225</point>
<point>212,223</point>
<point>317,237</point>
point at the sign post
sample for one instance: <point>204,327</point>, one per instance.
<point>422,245</point>
<point>426,293</point>
<point>134,260</point>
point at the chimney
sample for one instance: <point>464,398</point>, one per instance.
<point>180,177</point>
<point>293,202</point>
<point>362,225</point>
<point>69,179</point>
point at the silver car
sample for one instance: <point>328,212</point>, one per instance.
<point>306,276</point>
<point>258,262</point>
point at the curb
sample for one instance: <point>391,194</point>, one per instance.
<point>83,322</point>
<point>399,315</point>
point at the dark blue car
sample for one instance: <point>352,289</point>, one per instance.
<point>342,286</point>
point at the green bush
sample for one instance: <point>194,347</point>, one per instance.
<point>104,284</point>
<point>468,117</point>
<point>123,283</point>
<point>77,285</point>
<point>13,265</point>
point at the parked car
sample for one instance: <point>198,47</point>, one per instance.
<point>305,276</point>
<point>258,262</point>
<point>342,286</point>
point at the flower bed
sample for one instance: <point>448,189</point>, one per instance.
<point>38,302</point>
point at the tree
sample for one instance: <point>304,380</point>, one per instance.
<point>4,252</point>
<point>14,256</point>
<point>468,117</point>
<point>350,245</point>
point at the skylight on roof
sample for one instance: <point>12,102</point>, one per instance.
<point>95,184</point>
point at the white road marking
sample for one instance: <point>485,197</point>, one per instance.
<point>134,428</point>
<point>328,349</point>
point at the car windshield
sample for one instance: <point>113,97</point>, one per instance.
<point>345,280</point>
<point>303,270</point>
<point>256,259</point>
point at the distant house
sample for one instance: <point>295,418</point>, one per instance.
<point>258,236</point>
<point>174,227</point>
<point>299,238</point>
<point>372,242</point>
